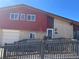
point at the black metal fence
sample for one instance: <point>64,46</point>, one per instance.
<point>42,49</point>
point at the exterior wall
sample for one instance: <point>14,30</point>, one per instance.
<point>7,23</point>
<point>25,34</point>
<point>64,29</point>
<point>10,36</point>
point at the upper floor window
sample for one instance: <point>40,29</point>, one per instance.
<point>14,16</point>
<point>31,17</point>
<point>22,16</point>
<point>51,21</point>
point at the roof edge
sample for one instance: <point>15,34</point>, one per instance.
<point>48,13</point>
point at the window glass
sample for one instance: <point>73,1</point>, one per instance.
<point>32,35</point>
<point>50,32</point>
<point>29,17</point>
<point>22,16</point>
<point>14,16</point>
<point>33,17</point>
<point>11,16</point>
<point>51,21</point>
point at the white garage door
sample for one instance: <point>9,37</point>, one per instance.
<point>10,36</point>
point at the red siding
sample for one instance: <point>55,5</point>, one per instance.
<point>41,23</point>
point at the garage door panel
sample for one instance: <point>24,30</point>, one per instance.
<point>10,36</point>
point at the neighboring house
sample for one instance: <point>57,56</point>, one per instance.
<point>24,22</point>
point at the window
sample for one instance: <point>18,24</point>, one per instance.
<point>32,35</point>
<point>51,21</point>
<point>22,16</point>
<point>76,35</point>
<point>50,32</point>
<point>31,17</point>
<point>14,16</point>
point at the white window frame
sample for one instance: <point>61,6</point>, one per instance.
<point>32,33</point>
<point>52,32</point>
<point>14,18</point>
<point>23,16</point>
<point>27,17</point>
<point>31,17</point>
<point>34,17</point>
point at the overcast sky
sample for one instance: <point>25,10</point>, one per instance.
<point>65,8</point>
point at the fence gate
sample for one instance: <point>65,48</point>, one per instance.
<point>45,49</point>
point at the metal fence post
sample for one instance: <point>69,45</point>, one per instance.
<point>77,49</point>
<point>4,54</point>
<point>43,47</point>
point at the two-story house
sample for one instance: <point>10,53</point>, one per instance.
<point>25,22</point>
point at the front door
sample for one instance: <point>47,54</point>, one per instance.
<point>50,32</point>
